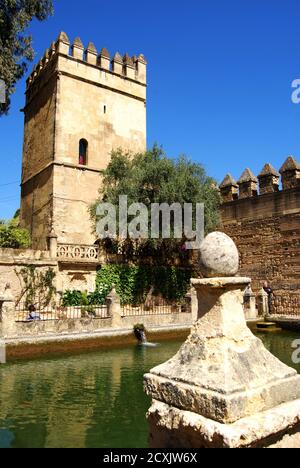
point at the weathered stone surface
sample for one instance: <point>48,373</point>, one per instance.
<point>63,37</point>
<point>267,170</point>
<point>174,428</point>
<point>290,164</point>
<point>266,230</point>
<point>250,304</point>
<point>228,181</point>
<point>222,388</point>
<point>229,189</point>
<point>56,189</point>
<point>219,255</point>
<point>247,184</point>
<point>222,371</point>
<point>247,176</point>
<point>268,180</point>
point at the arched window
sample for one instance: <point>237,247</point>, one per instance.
<point>83,152</point>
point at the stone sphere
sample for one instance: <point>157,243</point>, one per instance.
<point>219,256</point>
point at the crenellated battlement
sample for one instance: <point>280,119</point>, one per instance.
<point>126,67</point>
<point>82,103</point>
<point>262,214</point>
<point>250,186</point>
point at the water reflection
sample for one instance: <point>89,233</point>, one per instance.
<point>90,400</point>
<point>279,343</point>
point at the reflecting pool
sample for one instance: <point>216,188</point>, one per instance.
<point>93,399</point>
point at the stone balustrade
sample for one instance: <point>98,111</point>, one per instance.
<point>80,253</point>
<point>57,321</point>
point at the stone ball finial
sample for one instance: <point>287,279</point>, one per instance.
<point>219,256</point>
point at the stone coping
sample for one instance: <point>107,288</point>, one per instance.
<point>22,340</point>
<point>221,282</point>
<point>253,430</point>
<point>288,318</point>
<point>59,345</point>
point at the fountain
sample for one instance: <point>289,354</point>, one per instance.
<point>140,334</point>
<point>223,388</point>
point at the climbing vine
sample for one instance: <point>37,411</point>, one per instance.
<point>133,284</point>
<point>37,286</point>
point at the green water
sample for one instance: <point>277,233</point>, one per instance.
<point>88,400</point>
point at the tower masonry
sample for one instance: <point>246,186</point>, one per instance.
<point>80,105</point>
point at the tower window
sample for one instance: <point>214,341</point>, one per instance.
<point>104,109</point>
<point>83,152</point>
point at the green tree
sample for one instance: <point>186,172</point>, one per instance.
<point>12,236</point>
<point>15,44</point>
<point>152,177</point>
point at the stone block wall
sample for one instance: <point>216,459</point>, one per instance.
<point>265,224</point>
<point>58,326</point>
<point>71,275</point>
<point>13,260</point>
<point>76,95</point>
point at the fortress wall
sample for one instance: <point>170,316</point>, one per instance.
<point>266,228</point>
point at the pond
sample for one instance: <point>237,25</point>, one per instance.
<point>89,400</point>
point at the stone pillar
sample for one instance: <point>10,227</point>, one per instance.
<point>223,389</point>
<point>62,44</point>
<point>141,68</point>
<point>117,64</point>
<point>247,184</point>
<point>91,54</point>
<point>250,304</point>
<point>46,58</point>
<point>229,189</point>
<point>104,59</point>
<point>52,244</point>
<point>52,50</point>
<point>263,303</point>
<point>128,67</point>
<point>194,304</point>
<point>8,313</point>
<point>290,173</point>
<point>268,180</point>
<point>77,49</point>
<point>114,308</point>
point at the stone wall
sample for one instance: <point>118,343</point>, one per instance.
<point>76,276</point>
<point>266,228</point>
<point>92,325</point>
<point>13,260</point>
<point>113,318</point>
<point>61,327</point>
<point>69,275</point>
<point>37,207</point>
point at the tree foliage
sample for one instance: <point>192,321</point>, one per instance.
<point>12,236</point>
<point>15,44</point>
<point>133,283</point>
<point>152,177</point>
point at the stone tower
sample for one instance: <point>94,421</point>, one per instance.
<point>80,105</point>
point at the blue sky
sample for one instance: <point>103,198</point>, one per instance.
<point>219,78</point>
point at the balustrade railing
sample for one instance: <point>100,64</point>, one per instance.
<point>78,252</point>
<point>25,313</point>
<point>156,308</point>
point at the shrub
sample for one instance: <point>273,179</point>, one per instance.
<point>12,236</point>
<point>133,283</point>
